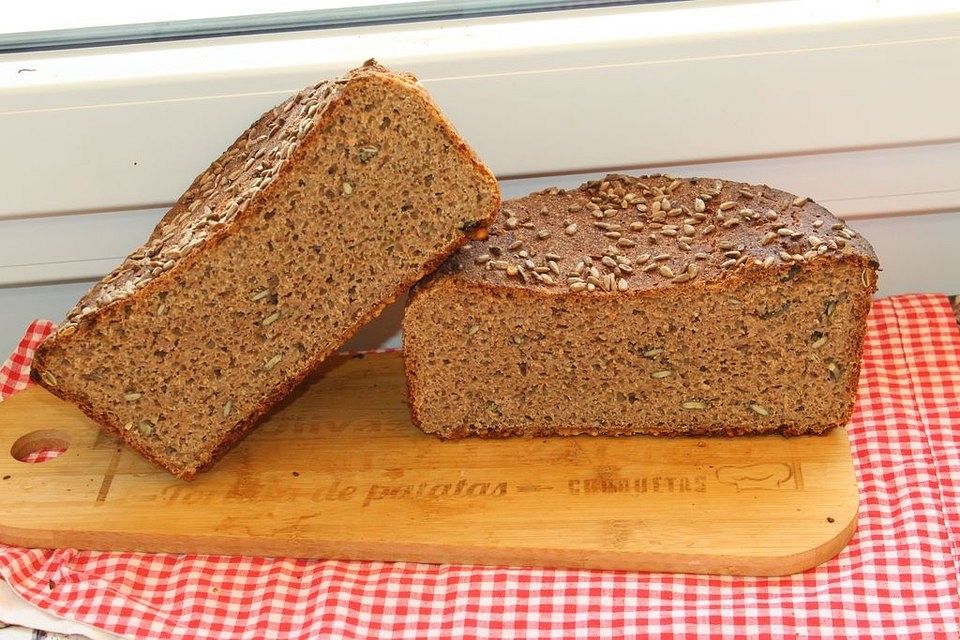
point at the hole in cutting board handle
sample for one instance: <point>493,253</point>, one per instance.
<point>40,446</point>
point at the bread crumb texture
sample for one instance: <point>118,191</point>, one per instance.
<point>323,212</point>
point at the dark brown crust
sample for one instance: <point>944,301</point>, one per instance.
<point>116,308</point>
<point>464,266</point>
<point>469,282</point>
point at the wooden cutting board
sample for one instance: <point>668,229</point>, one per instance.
<point>339,472</point>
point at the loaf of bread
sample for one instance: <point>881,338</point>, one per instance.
<point>648,305</point>
<point>325,210</point>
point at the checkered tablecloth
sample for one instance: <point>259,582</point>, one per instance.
<point>899,577</point>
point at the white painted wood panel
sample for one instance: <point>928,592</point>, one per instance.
<point>674,83</point>
<point>20,305</point>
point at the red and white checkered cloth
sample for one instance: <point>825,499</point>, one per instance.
<point>899,577</point>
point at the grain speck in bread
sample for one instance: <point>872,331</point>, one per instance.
<point>319,215</point>
<point>651,305</point>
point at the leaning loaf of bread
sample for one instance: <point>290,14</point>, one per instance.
<point>648,305</point>
<point>324,211</point>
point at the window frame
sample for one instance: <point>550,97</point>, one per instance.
<point>105,138</point>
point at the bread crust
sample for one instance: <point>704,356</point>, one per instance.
<point>370,72</point>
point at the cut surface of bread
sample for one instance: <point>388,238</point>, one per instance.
<point>323,212</point>
<point>649,305</point>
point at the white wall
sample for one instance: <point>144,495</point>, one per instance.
<point>20,305</point>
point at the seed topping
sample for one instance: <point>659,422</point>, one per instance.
<point>746,218</point>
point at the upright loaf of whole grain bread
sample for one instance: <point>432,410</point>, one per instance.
<point>648,305</point>
<point>319,215</point>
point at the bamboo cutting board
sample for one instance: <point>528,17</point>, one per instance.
<point>339,472</point>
